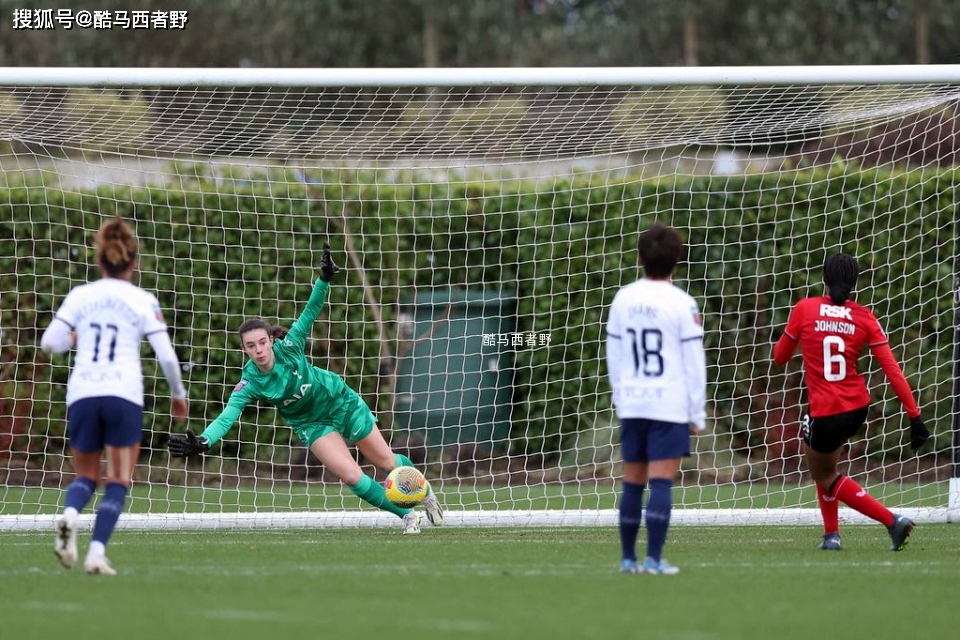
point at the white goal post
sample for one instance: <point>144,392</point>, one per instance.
<point>484,219</point>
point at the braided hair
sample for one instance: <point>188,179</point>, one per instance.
<point>840,273</point>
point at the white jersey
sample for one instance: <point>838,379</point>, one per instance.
<point>111,317</point>
<point>655,356</point>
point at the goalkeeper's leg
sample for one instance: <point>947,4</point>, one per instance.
<point>332,451</point>
<point>375,449</point>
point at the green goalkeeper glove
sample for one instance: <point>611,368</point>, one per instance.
<point>918,433</point>
<point>327,266</point>
<point>184,447</point>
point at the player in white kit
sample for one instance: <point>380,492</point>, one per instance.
<point>106,321</point>
<point>657,370</point>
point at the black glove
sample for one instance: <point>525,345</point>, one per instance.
<point>918,433</point>
<point>184,447</point>
<point>327,266</point>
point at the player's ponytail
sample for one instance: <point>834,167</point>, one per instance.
<point>116,247</point>
<point>840,273</point>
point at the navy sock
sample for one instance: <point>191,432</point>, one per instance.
<point>79,493</point>
<point>658,515</point>
<point>109,512</point>
<point>631,510</point>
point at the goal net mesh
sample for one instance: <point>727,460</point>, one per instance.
<point>482,233</point>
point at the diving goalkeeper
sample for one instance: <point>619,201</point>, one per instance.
<point>317,404</point>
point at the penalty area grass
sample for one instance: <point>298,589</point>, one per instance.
<point>736,583</point>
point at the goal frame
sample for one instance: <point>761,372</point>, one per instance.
<point>503,77</point>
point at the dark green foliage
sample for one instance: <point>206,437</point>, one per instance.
<point>217,252</point>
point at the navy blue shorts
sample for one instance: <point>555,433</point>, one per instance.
<point>644,440</point>
<point>94,422</point>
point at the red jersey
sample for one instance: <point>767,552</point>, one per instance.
<point>832,338</point>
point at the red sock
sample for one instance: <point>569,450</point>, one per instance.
<point>851,494</point>
<point>828,509</point>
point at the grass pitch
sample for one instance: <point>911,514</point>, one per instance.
<point>281,496</point>
<point>736,583</point>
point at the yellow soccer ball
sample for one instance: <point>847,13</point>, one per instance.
<point>406,487</point>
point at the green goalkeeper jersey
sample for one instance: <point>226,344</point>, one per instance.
<point>302,393</point>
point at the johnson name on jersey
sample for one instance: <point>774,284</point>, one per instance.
<point>831,338</point>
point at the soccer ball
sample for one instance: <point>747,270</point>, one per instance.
<point>406,487</point>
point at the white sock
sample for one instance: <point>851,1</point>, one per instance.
<point>97,549</point>
<point>70,513</point>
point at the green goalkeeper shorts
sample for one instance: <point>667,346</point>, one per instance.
<point>352,419</point>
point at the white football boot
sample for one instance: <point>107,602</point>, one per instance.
<point>433,509</point>
<point>97,565</point>
<point>411,524</point>
<point>65,546</point>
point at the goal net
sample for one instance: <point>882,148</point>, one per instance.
<point>484,221</point>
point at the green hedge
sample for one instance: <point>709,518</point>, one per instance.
<point>216,251</point>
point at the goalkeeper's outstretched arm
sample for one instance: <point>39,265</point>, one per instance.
<point>183,447</point>
<point>301,328</point>
<point>242,396</point>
